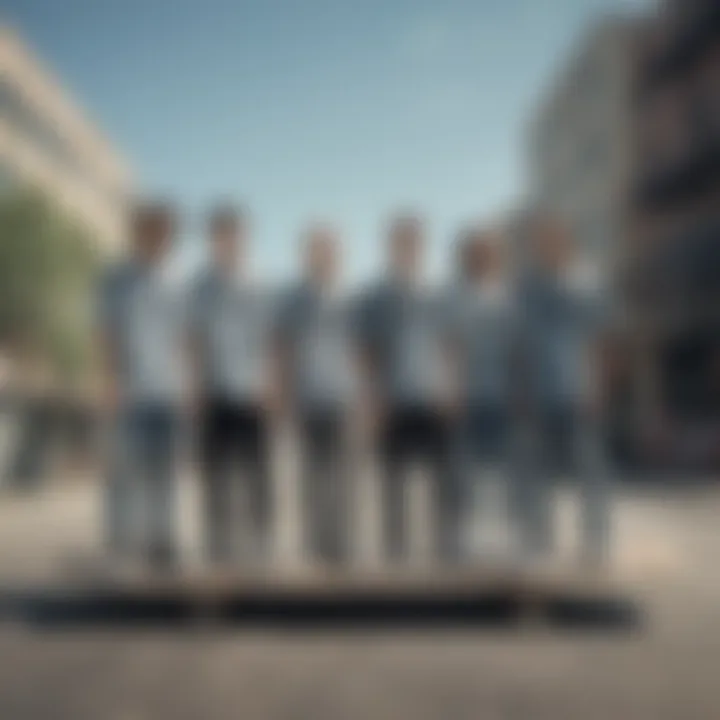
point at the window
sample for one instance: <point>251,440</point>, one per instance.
<point>40,131</point>
<point>23,119</point>
<point>594,153</point>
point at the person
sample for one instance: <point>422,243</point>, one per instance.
<point>317,347</point>
<point>563,314</point>
<point>231,334</point>
<point>407,377</point>
<point>483,327</point>
<point>141,345</point>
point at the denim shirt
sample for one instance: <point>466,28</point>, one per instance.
<point>560,322</point>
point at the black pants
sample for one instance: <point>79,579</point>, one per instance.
<point>325,462</point>
<point>418,434</point>
<point>235,450</point>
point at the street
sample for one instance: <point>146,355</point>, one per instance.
<point>665,542</point>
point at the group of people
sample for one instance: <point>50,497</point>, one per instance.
<point>496,369</point>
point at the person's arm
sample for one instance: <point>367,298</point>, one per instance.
<point>520,371</point>
<point>279,388</point>
<point>599,358</point>
<point>107,345</point>
<point>193,351</point>
<point>599,373</point>
<point>455,357</point>
<point>372,402</point>
<point>107,352</point>
<point>276,395</point>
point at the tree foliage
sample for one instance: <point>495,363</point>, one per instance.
<point>47,267</point>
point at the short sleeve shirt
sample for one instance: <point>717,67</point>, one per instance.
<point>483,325</point>
<point>561,320</point>
<point>143,309</point>
<point>316,328</point>
<point>232,321</point>
<point>404,329</point>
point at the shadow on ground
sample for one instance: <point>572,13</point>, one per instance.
<point>53,610</point>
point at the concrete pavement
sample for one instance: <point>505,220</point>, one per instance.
<point>667,670</point>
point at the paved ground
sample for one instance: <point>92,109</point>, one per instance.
<point>667,545</point>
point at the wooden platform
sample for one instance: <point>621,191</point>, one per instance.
<point>320,583</point>
<point>350,596</point>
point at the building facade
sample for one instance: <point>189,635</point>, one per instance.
<point>674,279</point>
<point>47,142</point>
<point>579,142</point>
<point>626,148</point>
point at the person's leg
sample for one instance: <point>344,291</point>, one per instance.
<point>463,452</point>
<point>255,462</point>
<point>336,488</point>
<point>162,437</point>
<point>595,489</point>
<point>121,501</point>
<point>532,494</point>
<point>323,485</point>
<point>216,433</point>
<point>310,455</point>
<point>435,445</point>
<point>491,497</point>
<point>139,446</point>
<point>393,453</point>
<point>501,460</point>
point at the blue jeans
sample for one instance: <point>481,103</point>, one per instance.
<point>141,488</point>
<point>483,432</point>
<point>481,440</point>
<point>556,439</point>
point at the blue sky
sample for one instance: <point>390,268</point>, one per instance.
<point>303,109</point>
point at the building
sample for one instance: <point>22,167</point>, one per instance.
<point>626,147</point>
<point>579,141</point>
<point>47,142</point>
<point>673,281</point>
<point>581,166</point>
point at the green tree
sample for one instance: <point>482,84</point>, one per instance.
<point>47,267</point>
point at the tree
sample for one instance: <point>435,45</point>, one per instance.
<point>47,267</point>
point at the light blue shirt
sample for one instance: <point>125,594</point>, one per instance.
<point>561,320</point>
<point>316,329</point>
<point>483,322</point>
<point>232,321</point>
<point>405,330</point>
<point>143,309</point>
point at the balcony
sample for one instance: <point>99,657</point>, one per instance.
<point>687,363</point>
<point>677,287</point>
<point>691,37</point>
<point>697,172</point>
